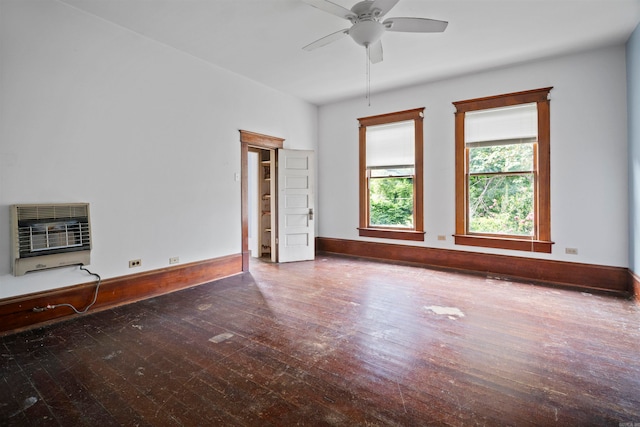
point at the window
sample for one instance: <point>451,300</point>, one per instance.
<point>502,172</point>
<point>391,175</point>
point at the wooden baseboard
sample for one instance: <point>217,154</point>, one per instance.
<point>614,280</point>
<point>634,285</point>
<point>17,312</point>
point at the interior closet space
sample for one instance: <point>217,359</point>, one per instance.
<point>262,204</point>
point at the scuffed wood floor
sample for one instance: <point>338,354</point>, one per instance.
<point>338,342</point>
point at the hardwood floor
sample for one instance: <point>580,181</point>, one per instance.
<point>336,341</point>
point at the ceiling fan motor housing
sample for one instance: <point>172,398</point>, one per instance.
<point>366,33</point>
<point>363,10</point>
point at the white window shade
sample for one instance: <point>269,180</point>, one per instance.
<point>505,125</point>
<point>391,144</point>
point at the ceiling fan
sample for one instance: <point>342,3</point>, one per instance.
<point>367,27</point>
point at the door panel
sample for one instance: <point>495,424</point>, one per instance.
<point>296,236</point>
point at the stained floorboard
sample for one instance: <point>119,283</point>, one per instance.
<point>337,342</point>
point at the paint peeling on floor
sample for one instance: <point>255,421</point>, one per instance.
<point>28,403</point>
<point>138,327</point>
<point>221,337</point>
<point>203,307</point>
<point>452,312</point>
<point>112,355</point>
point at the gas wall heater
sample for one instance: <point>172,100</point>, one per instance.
<point>49,236</point>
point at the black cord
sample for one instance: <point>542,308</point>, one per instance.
<point>95,297</point>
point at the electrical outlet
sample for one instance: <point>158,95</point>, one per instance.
<point>135,263</point>
<point>442,237</point>
<point>174,260</point>
<point>571,251</point>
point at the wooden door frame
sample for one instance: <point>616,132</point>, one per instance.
<point>257,140</point>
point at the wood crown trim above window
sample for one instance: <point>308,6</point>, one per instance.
<point>497,101</point>
<point>399,116</point>
<point>392,234</point>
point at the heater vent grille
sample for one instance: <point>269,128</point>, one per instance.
<point>52,236</point>
<point>52,212</point>
<point>47,236</point>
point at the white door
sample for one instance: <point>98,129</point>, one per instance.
<point>296,236</point>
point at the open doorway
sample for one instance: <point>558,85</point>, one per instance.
<point>284,200</point>
<point>265,149</point>
<point>263,224</point>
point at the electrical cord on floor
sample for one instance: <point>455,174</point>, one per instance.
<point>84,310</point>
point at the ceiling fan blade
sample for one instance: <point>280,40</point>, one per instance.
<point>383,6</point>
<point>415,25</point>
<point>375,52</point>
<point>332,8</point>
<point>326,40</point>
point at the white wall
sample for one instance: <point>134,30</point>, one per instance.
<point>148,135</point>
<point>589,202</point>
<point>633,84</point>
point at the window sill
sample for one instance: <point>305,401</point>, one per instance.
<point>392,234</point>
<point>514,244</point>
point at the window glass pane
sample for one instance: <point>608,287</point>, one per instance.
<point>391,144</point>
<point>495,124</point>
<point>391,202</point>
<point>501,158</point>
<point>501,204</point>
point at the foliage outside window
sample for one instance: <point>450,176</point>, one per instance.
<point>391,175</point>
<point>391,197</point>
<point>502,172</point>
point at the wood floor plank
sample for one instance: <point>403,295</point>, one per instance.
<point>338,342</point>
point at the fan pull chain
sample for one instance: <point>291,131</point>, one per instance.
<point>368,66</point>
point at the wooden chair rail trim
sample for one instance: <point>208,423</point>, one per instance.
<point>17,312</point>
<point>606,279</point>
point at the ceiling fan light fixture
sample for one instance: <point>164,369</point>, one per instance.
<point>366,33</point>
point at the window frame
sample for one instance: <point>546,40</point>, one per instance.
<point>541,240</point>
<point>415,233</point>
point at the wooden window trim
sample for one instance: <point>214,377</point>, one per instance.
<point>417,233</point>
<point>386,233</point>
<point>541,242</point>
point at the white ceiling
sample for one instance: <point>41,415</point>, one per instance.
<point>263,39</point>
